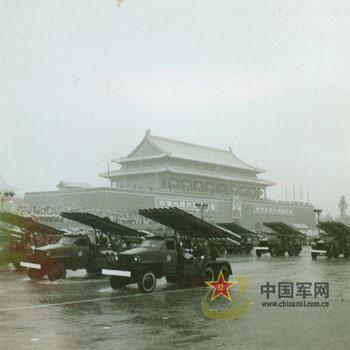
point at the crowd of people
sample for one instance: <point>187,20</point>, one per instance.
<point>52,214</point>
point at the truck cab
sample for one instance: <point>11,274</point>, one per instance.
<point>268,243</point>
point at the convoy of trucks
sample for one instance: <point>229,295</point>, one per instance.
<point>190,253</point>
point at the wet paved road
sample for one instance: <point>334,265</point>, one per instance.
<point>82,312</point>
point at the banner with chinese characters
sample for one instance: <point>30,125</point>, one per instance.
<point>272,210</point>
<point>184,203</point>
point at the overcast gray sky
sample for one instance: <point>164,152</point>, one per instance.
<point>81,80</point>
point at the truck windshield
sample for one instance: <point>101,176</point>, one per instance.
<point>67,240</point>
<point>152,243</point>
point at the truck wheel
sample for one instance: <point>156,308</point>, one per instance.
<point>258,253</point>
<point>117,282</point>
<point>147,282</point>
<point>273,251</point>
<point>18,266</point>
<point>314,256</point>
<point>35,274</point>
<point>56,272</point>
<point>208,274</point>
<point>225,272</point>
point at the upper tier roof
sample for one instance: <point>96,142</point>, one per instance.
<point>188,171</point>
<point>154,146</point>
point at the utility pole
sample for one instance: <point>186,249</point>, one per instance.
<point>201,207</point>
<point>318,213</point>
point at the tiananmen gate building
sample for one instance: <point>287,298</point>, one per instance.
<point>162,172</point>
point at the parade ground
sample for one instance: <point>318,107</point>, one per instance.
<point>85,312</point>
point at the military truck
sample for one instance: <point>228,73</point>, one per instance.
<point>187,256</point>
<point>248,238</point>
<point>73,252</point>
<point>333,241</point>
<point>18,245</point>
<point>80,251</point>
<point>282,239</point>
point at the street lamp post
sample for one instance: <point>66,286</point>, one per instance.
<point>201,207</point>
<point>318,213</point>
